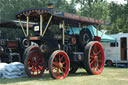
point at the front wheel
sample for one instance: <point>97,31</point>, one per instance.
<point>34,64</point>
<point>59,64</point>
<point>94,58</point>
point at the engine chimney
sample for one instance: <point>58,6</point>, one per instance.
<point>50,5</point>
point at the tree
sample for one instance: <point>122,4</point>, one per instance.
<point>97,9</point>
<point>119,18</point>
<point>9,8</point>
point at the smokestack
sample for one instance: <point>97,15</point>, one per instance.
<point>50,5</point>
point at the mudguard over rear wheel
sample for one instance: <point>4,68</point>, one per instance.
<point>34,63</point>
<point>94,58</point>
<point>59,64</point>
<point>29,49</point>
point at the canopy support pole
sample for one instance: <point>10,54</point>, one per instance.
<point>96,30</point>
<point>47,26</point>
<point>41,24</point>
<point>63,32</point>
<point>102,33</point>
<point>27,26</point>
<point>22,28</point>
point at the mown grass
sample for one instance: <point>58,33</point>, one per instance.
<point>110,76</point>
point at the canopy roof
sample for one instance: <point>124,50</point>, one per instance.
<point>58,16</point>
<point>14,24</point>
<point>104,37</point>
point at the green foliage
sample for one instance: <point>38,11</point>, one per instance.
<point>9,8</point>
<point>119,18</point>
<point>115,13</point>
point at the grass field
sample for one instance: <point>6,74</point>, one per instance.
<point>110,76</point>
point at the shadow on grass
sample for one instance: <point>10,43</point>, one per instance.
<point>44,77</point>
<point>78,74</point>
<point>118,66</point>
<point>115,67</point>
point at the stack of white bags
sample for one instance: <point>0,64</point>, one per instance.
<point>12,70</point>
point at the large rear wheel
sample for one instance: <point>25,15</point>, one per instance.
<point>34,64</point>
<point>94,58</point>
<point>59,64</point>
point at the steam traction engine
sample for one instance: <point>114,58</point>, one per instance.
<point>12,42</point>
<point>58,48</point>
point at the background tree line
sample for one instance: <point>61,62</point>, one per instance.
<point>115,13</point>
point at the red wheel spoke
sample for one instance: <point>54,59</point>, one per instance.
<point>93,52</point>
<point>29,63</point>
<point>95,48</point>
<point>95,65</point>
<point>33,68</point>
<point>55,60</point>
<point>95,58</point>
<point>55,63</point>
<point>40,68</point>
<point>60,58</point>
<point>54,68</point>
<point>62,70</point>
<point>64,67</point>
<point>57,72</point>
<point>91,62</point>
<point>63,62</point>
<point>33,64</point>
<point>99,52</point>
<point>59,65</point>
<point>91,57</point>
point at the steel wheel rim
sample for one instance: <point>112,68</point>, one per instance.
<point>60,65</point>
<point>96,58</point>
<point>35,64</point>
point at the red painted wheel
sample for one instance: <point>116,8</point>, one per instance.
<point>30,48</point>
<point>94,58</point>
<point>59,64</point>
<point>34,64</point>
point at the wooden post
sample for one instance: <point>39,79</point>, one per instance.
<point>47,26</point>
<point>41,24</point>
<point>63,32</point>
<point>27,26</point>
